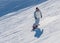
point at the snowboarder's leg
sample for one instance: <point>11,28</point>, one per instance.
<point>35,25</point>
<point>37,21</point>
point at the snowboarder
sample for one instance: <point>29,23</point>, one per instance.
<point>37,16</point>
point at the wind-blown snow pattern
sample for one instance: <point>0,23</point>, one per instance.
<point>17,28</point>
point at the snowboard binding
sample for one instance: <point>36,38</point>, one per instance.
<point>34,27</point>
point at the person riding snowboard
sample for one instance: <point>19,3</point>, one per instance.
<point>37,16</point>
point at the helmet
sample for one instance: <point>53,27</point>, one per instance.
<point>37,9</point>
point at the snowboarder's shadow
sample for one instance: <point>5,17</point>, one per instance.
<point>38,32</point>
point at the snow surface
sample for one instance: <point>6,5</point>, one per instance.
<point>17,28</point>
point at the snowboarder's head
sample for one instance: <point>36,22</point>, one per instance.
<point>37,9</point>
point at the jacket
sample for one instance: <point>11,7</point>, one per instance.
<point>37,14</point>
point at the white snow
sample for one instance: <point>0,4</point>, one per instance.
<point>17,28</point>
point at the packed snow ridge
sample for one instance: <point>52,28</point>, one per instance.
<point>16,27</point>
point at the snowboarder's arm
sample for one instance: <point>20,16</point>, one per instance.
<point>41,14</point>
<point>35,15</point>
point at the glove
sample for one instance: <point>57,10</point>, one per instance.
<point>41,16</point>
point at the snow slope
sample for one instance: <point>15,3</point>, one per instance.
<point>17,28</point>
<point>8,6</point>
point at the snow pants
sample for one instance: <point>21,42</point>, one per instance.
<point>35,25</point>
<point>37,21</point>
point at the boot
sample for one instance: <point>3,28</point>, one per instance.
<point>35,27</point>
